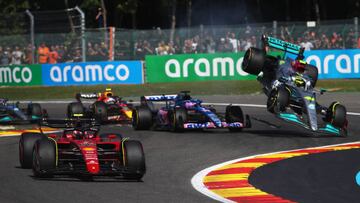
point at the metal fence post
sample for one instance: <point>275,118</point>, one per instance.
<point>356,29</point>
<point>83,42</point>
<point>31,16</point>
<point>275,28</point>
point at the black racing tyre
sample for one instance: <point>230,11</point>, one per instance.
<point>74,108</point>
<point>26,146</point>
<point>234,114</point>
<point>105,136</point>
<point>271,101</point>
<point>253,61</point>
<point>337,114</point>
<point>133,159</point>
<point>177,118</point>
<point>142,118</point>
<point>34,109</point>
<point>100,111</point>
<point>312,72</point>
<point>44,157</point>
<point>283,99</point>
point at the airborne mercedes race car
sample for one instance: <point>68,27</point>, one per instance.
<point>289,85</point>
<point>81,151</point>
<point>182,112</point>
<point>11,113</point>
<point>106,108</point>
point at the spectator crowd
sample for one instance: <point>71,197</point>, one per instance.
<point>159,43</point>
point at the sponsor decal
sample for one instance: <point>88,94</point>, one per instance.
<point>195,67</point>
<point>335,63</point>
<point>20,75</point>
<point>116,72</point>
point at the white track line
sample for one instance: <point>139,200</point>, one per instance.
<point>197,179</point>
<point>205,103</point>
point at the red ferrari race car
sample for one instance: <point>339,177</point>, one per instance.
<point>106,108</point>
<point>81,151</point>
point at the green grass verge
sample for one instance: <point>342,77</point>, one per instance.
<point>197,88</point>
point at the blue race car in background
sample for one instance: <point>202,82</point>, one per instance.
<point>292,95</point>
<point>11,113</point>
<point>182,112</point>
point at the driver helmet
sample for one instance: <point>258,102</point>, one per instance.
<point>298,65</point>
<point>108,92</point>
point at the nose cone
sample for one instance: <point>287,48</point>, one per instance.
<point>91,159</point>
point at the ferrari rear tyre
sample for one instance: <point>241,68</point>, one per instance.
<point>234,114</point>
<point>26,146</point>
<point>133,159</point>
<point>74,108</point>
<point>44,158</point>
<point>142,118</point>
<point>336,114</point>
<point>253,61</point>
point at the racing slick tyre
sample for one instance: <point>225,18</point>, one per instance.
<point>312,72</point>
<point>177,118</point>
<point>278,100</point>
<point>234,114</point>
<point>142,118</point>
<point>133,159</point>
<point>336,115</point>
<point>34,109</point>
<point>26,145</point>
<point>254,60</point>
<point>74,108</point>
<point>108,136</point>
<point>100,111</point>
<point>44,158</point>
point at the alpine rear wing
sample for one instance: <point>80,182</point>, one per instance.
<point>283,46</point>
<point>156,98</point>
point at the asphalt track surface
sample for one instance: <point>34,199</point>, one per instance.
<point>172,158</point>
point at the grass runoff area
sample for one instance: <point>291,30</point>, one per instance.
<point>196,88</point>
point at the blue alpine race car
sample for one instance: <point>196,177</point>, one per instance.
<point>289,84</point>
<point>11,113</point>
<point>182,112</point>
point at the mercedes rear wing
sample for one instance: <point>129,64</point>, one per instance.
<point>283,46</point>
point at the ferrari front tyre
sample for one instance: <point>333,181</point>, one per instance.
<point>44,157</point>
<point>74,108</point>
<point>26,146</point>
<point>177,118</point>
<point>234,114</point>
<point>336,114</point>
<point>312,72</point>
<point>133,159</point>
<point>142,118</point>
<point>253,61</point>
